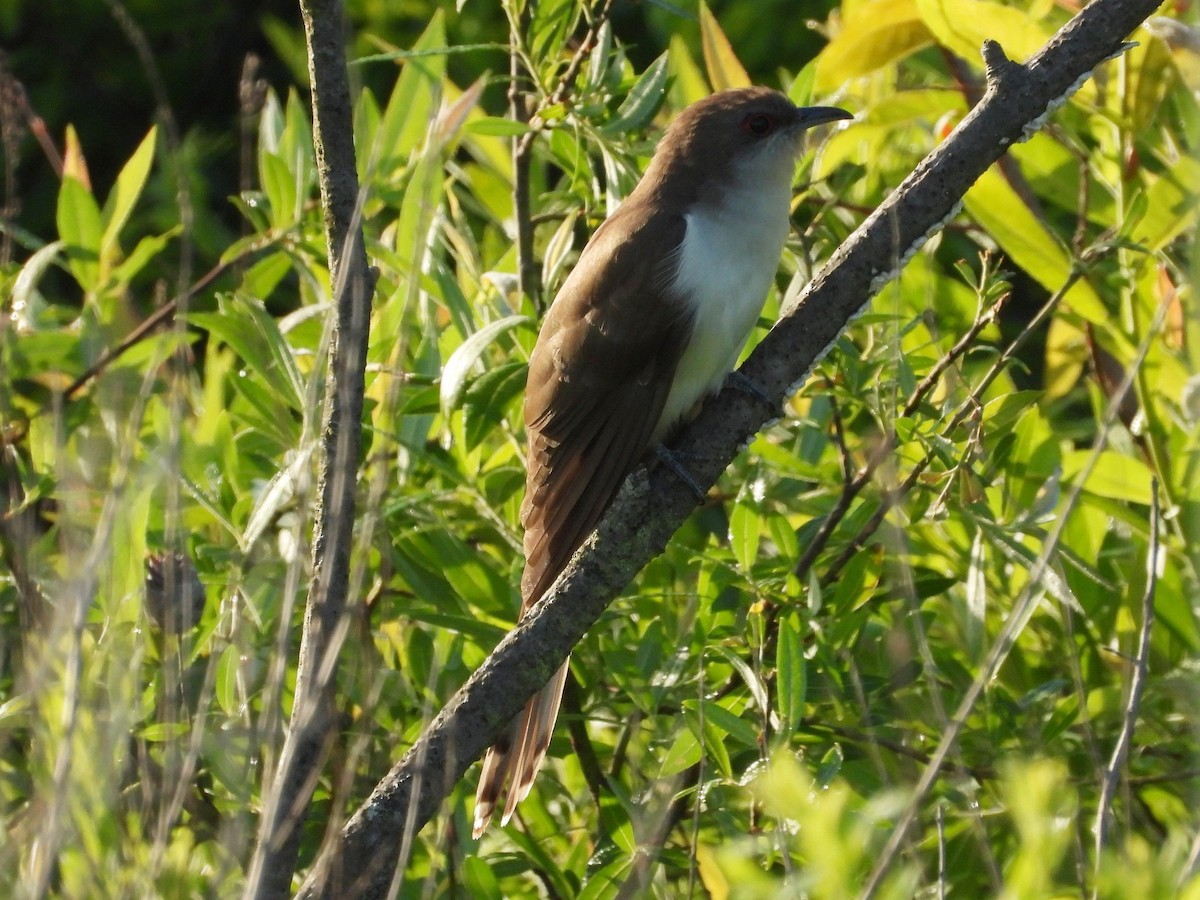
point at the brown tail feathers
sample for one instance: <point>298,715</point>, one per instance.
<point>514,760</point>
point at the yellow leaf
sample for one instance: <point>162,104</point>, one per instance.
<point>1171,204</point>
<point>873,35</point>
<point>711,876</point>
<point>1066,355</point>
<point>687,81</point>
<point>724,69</point>
<point>74,163</point>
<point>963,25</point>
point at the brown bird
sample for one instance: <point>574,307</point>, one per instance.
<point>650,321</point>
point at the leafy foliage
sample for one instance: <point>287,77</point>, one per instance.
<point>754,712</point>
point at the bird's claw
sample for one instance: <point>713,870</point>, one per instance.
<point>673,460</point>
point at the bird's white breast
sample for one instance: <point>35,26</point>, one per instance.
<point>728,260</point>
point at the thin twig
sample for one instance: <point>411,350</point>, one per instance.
<point>571,72</point>
<point>1137,685</point>
<point>528,276</point>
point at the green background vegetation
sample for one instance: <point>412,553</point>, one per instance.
<point>748,716</point>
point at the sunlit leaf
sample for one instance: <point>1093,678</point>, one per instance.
<point>468,354</point>
<point>791,675</point>
<point>124,195</point>
<point>724,69</point>
<point>875,34</point>
<point>1113,475</point>
<point>80,229</point>
<point>963,25</point>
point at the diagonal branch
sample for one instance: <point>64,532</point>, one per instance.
<point>651,506</point>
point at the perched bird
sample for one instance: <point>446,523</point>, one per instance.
<point>649,322</point>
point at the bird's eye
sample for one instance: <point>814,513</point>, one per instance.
<point>758,124</point>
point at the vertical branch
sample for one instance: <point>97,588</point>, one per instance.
<point>528,277</point>
<point>325,619</point>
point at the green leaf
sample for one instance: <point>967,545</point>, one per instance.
<point>711,736</point>
<point>687,81</point>
<point>245,325</point>
<point>160,732</point>
<point>226,681</point>
<point>80,228</point>
<point>147,248</point>
<point>598,60</point>
<point>487,400</point>
<point>497,126</point>
<point>279,186</point>
<point>643,100</point>
<point>745,526</point>
<point>410,108</point>
<point>1171,204</point>
<point>684,752</point>
<point>963,25</point>
<point>277,495</point>
<point>479,879</point>
<point>464,359</point>
<point>791,675</point>
<point>124,195</point>
<point>758,690</point>
<point>801,91</point>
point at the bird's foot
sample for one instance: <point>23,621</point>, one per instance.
<point>747,385</point>
<point>674,460</point>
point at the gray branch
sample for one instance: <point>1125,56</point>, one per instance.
<point>313,724</point>
<point>652,506</point>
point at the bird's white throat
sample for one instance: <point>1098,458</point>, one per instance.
<point>728,260</point>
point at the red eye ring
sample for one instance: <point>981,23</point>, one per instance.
<point>758,124</point>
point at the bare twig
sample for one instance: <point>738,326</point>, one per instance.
<point>326,621</point>
<point>528,274</point>
<point>1137,684</point>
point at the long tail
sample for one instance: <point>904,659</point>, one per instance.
<point>514,760</point>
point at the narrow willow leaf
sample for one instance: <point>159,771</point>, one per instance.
<point>124,195</point>
<point>643,100</point>
<point>725,70</point>
<point>488,399</point>
<point>80,228</point>
<point>791,675</point>
<point>226,682</point>
<point>497,126</point>
<point>745,526</point>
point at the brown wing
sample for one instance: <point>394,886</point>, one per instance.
<point>598,380</point>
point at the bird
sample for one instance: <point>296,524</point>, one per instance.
<point>649,322</point>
